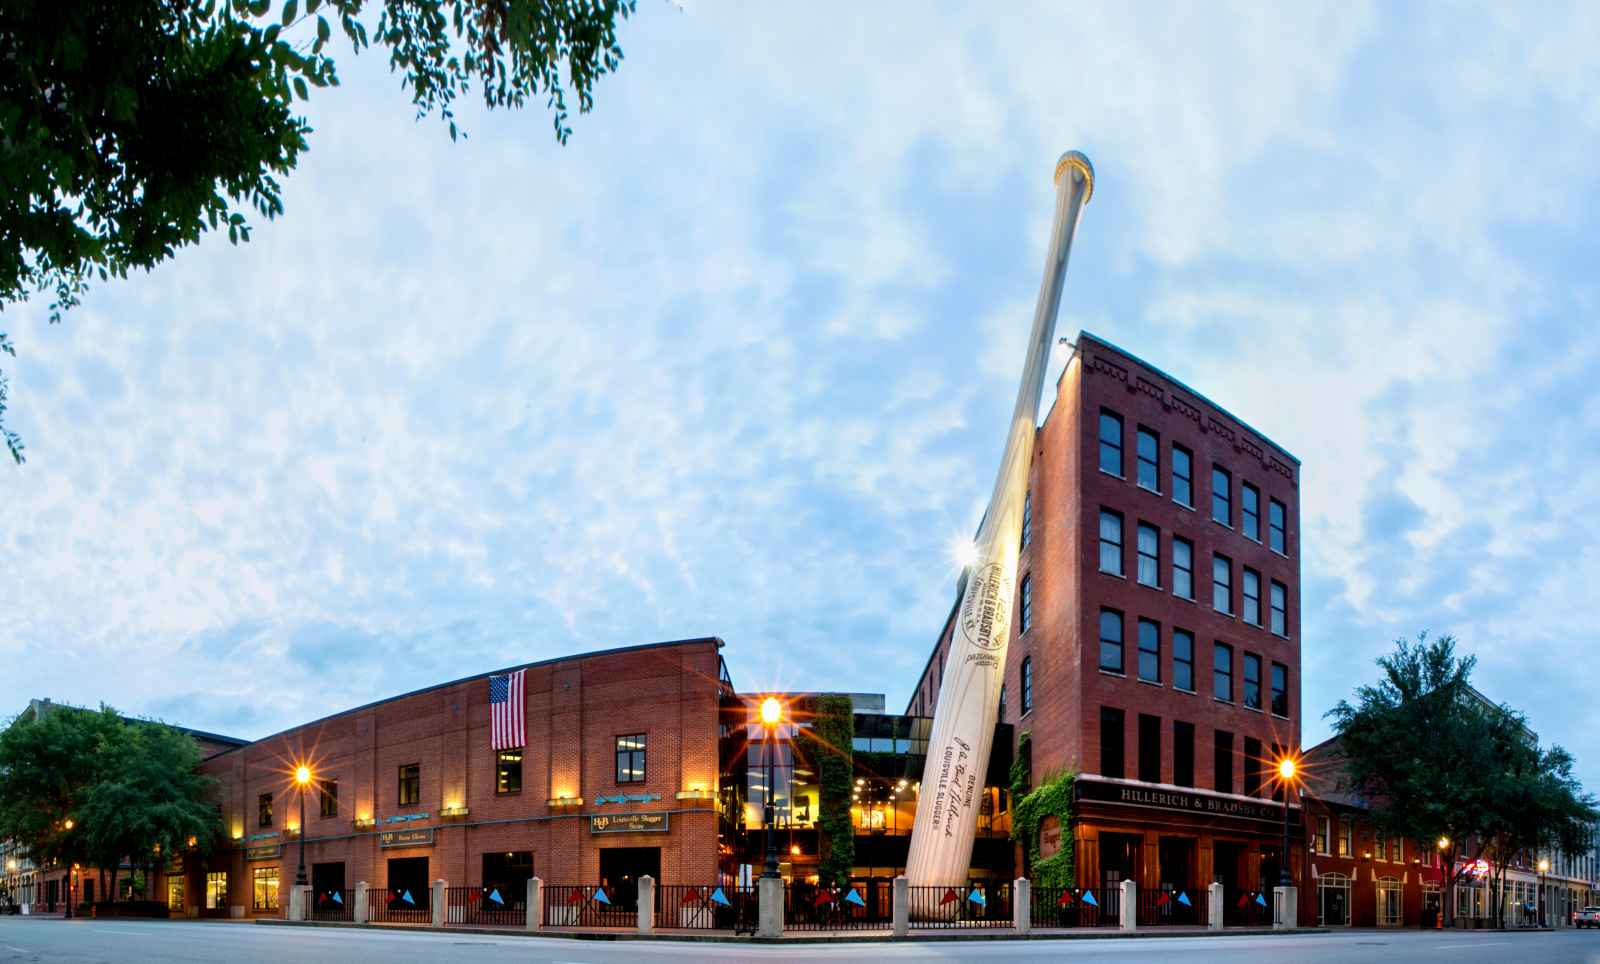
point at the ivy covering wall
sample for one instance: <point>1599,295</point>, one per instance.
<point>834,729</point>
<point>1030,806</point>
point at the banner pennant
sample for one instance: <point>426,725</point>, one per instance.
<point>854,897</point>
<point>1261,899</point>
<point>949,897</point>
<point>1064,899</point>
<point>976,897</point>
<point>494,895</point>
<point>1088,898</point>
<point>576,897</point>
<point>1243,900</point>
<point>824,896</point>
<point>338,897</point>
<point>405,895</point>
<point>1163,899</point>
<point>474,896</point>
<point>600,896</point>
<point>718,897</point>
<point>1183,898</point>
<point>691,895</point>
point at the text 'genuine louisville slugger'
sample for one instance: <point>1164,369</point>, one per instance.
<point>969,692</point>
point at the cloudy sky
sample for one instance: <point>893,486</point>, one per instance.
<point>737,360</point>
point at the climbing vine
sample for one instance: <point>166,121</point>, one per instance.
<point>834,729</point>
<point>1030,806</point>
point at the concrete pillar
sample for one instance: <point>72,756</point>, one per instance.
<point>297,901</point>
<point>1022,905</point>
<point>769,897</point>
<point>902,906</point>
<point>358,913</point>
<point>647,904</point>
<point>1286,908</point>
<point>438,902</point>
<point>1214,906</point>
<point>535,903</point>
<point>1130,906</point>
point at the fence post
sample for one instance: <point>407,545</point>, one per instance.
<point>769,898</point>
<point>358,913</point>
<point>902,906</point>
<point>1130,906</point>
<point>647,904</point>
<point>535,903</point>
<point>438,902</point>
<point>1214,906</point>
<point>1022,905</point>
<point>1286,903</point>
<point>297,901</point>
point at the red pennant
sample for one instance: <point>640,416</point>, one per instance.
<point>691,896</point>
<point>1064,899</point>
<point>576,897</point>
<point>949,897</point>
<point>1243,900</point>
<point>823,897</point>
<point>473,895</point>
<point>1164,899</point>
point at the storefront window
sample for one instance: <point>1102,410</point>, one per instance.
<point>217,891</point>
<point>264,887</point>
<point>1333,900</point>
<point>175,894</point>
<point>1388,902</point>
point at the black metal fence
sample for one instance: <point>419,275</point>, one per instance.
<point>861,906</point>
<point>1250,908</point>
<point>968,905</point>
<point>705,907</point>
<point>1169,906</point>
<point>485,906</point>
<point>330,905</point>
<point>1076,907</point>
<point>399,906</point>
<point>588,906</point>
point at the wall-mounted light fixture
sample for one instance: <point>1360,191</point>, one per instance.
<point>366,822</point>
<point>453,810</point>
<point>564,803</point>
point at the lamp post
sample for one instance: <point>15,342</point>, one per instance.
<point>1286,774</point>
<point>302,776</point>
<point>72,872</point>
<point>1544,868</point>
<point>771,715</point>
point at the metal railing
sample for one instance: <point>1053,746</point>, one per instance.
<point>1247,908</point>
<point>1076,907</point>
<point>486,906</point>
<point>586,905</point>
<point>1172,906</point>
<point>331,905</point>
<point>860,906</point>
<point>961,905</point>
<point>705,907</point>
<point>401,905</point>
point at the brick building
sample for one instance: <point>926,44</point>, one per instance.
<point>1156,642</point>
<point>618,778</point>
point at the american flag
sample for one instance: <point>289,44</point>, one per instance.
<point>506,724</point>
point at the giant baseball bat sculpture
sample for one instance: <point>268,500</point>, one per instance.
<point>969,694</point>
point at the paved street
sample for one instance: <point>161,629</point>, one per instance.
<point>121,941</point>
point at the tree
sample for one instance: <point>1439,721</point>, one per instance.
<point>834,731</point>
<point>47,764</point>
<point>129,128</point>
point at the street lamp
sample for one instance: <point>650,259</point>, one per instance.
<point>1287,770</point>
<point>771,716</point>
<point>1544,868</point>
<point>302,776</point>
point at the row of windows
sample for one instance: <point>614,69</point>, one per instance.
<point>1222,663</point>
<point>1385,848</point>
<point>1258,767</point>
<point>1148,476</point>
<point>1147,572</point>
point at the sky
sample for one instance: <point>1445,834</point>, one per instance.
<point>738,359</point>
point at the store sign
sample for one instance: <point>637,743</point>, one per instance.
<point>629,823</point>
<point>405,817</point>
<point>1203,804</point>
<point>1049,836</point>
<point>627,798</point>
<point>262,836</point>
<point>406,838</point>
<point>269,852</point>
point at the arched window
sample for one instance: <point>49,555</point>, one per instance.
<point>1333,900</point>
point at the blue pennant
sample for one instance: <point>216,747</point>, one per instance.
<point>718,897</point>
<point>1088,898</point>
<point>600,895</point>
<point>1261,900</point>
<point>1183,898</point>
<point>338,898</point>
<point>977,897</point>
<point>405,895</point>
<point>854,897</point>
<point>494,895</point>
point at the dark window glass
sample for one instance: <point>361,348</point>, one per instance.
<point>1110,442</point>
<point>630,758</point>
<point>410,784</point>
<point>1025,605</point>
<point>1149,651</point>
<point>1002,702</point>
<point>328,798</point>
<point>1149,548</point>
<point>1149,748</point>
<point>1027,684</point>
<point>1275,525</point>
<point>1183,659</point>
<point>1182,753</point>
<point>1221,583</point>
<point>508,771</point>
<point>264,810</point>
<point>1252,766</point>
<point>1149,460</point>
<point>1252,596</point>
<point>1182,568</point>
<point>1221,495</point>
<point>1111,640</point>
<point>1222,671</point>
<point>1252,681</point>
<point>1280,609</point>
<point>1111,542</point>
<point>1182,476</point>
<point>1280,689</point>
<point>1222,763</point>
<point>1111,737</point>
<point>1250,510</point>
<point>1027,517</point>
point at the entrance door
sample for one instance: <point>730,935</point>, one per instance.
<point>1227,868</point>
<point>1177,860</point>
<point>1119,861</point>
<point>620,870</point>
<point>408,883</point>
<point>327,890</point>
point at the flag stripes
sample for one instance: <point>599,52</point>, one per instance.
<point>507,709</point>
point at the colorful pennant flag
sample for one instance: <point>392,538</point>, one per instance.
<point>1163,899</point>
<point>1261,899</point>
<point>405,895</point>
<point>494,895</point>
<point>1183,898</point>
<point>576,897</point>
<point>691,895</point>
<point>338,898</point>
<point>600,896</point>
<point>854,897</point>
<point>824,896</point>
<point>1088,898</point>
<point>474,897</point>
<point>949,897</point>
<point>1064,899</point>
<point>718,897</point>
<point>976,897</point>
<point>1243,900</point>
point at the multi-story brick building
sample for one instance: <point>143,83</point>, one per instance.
<point>1156,642</point>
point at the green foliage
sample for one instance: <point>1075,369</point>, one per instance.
<point>47,767</point>
<point>1030,807</point>
<point>834,731</point>
<point>129,128</point>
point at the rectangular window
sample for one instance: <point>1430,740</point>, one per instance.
<point>264,810</point>
<point>630,758</point>
<point>1280,690</point>
<point>1002,713</point>
<point>1280,608</point>
<point>1025,605</point>
<point>217,890</point>
<point>1222,495</point>
<point>1320,841</point>
<point>508,771</point>
<point>1111,726</point>
<point>1381,850</point>
<point>1252,596</point>
<point>1149,748</point>
<point>1183,659</point>
<point>1182,568</point>
<point>1182,753</point>
<point>264,888</point>
<point>1149,547</point>
<point>1275,526</point>
<point>1347,837</point>
<point>175,893</point>
<point>328,798</point>
<point>1027,684</point>
<point>1252,766</point>
<point>410,793</point>
<point>1222,583</point>
<point>1111,542</point>
<point>1027,517</point>
<point>1149,453</point>
<point>1252,681</point>
<point>1149,651</point>
<point>1182,476</point>
<point>1111,640</point>
<point>1222,671</point>
<point>1250,510</point>
<point>1111,442</point>
<point>1222,763</point>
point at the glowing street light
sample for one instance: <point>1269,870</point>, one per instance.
<point>1444,843</point>
<point>771,716</point>
<point>1544,868</point>
<point>1288,771</point>
<point>302,777</point>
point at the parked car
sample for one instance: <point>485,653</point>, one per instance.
<point>1588,917</point>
